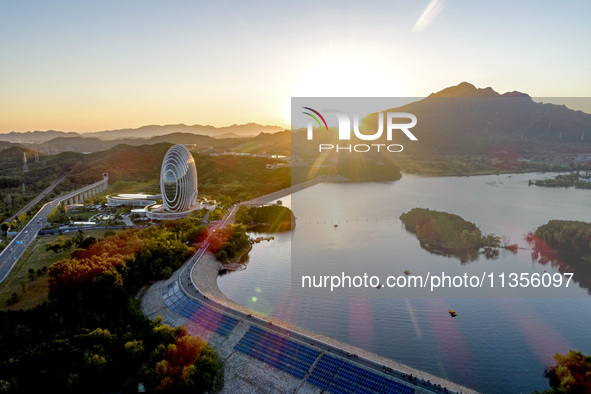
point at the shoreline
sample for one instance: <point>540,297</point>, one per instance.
<point>245,374</point>
<point>205,277</point>
<point>202,273</point>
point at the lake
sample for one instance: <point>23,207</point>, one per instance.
<point>500,342</point>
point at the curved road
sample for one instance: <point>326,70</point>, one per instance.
<point>190,289</point>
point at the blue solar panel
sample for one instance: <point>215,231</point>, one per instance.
<point>198,313</point>
<point>336,375</point>
<point>279,352</point>
<point>338,388</point>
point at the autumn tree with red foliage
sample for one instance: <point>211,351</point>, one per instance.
<point>92,337</point>
<point>188,365</point>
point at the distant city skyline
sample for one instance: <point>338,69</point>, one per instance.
<point>91,66</point>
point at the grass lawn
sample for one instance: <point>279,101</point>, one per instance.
<point>35,286</point>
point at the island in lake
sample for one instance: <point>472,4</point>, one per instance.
<point>578,180</point>
<point>565,236</point>
<point>449,234</point>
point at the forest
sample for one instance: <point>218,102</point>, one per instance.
<point>446,230</point>
<point>570,374</point>
<point>574,179</point>
<point>92,337</point>
<point>572,237</point>
<point>39,176</point>
<point>229,242</point>
<point>274,217</point>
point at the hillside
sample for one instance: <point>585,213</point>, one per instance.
<point>464,119</point>
<point>275,143</point>
<point>457,120</point>
<point>133,167</point>
<point>233,131</point>
<point>40,175</point>
<point>243,130</point>
<point>122,162</point>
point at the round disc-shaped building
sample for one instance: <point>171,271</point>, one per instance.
<point>178,180</point>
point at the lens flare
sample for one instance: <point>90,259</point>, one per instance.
<point>429,14</point>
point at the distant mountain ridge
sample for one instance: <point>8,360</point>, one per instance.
<point>466,119</point>
<point>466,89</point>
<point>276,143</point>
<point>233,131</point>
<point>458,119</point>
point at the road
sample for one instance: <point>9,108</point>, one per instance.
<point>39,197</point>
<point>15,249</point>
<point>23,239</point>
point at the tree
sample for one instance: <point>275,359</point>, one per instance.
<point>22,218</point>
<point>242,215</point>
<point>571,374</point>
<point>59,244</point>
<point>92,334</point>
<point>13,299</point>
<point>4,227</point>
<point>78,240</point>
<point>188,365</point>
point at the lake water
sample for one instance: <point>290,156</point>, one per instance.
<point>495,345</point>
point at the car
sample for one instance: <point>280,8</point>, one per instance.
<point>26,231</point>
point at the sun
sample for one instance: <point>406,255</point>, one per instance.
<point>346,76</point>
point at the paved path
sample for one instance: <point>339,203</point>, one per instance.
<point>127,220</point>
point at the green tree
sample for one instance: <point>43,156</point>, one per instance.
<point>4,227</point>
<point>242,215</point>
<point>571,374</point>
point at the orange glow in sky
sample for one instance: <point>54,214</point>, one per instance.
<point>94,66</point>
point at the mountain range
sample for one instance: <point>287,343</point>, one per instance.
<point>233,131</point>
<point>464,119</point>
<point>461,119</point>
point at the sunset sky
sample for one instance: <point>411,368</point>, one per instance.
<point>89,66</point>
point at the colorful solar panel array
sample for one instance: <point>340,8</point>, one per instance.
<point>279,352</point>
<point>332,374</point>
<point>338,376</point>
<point>196,312</point>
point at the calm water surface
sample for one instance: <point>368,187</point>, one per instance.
<point>495,345</point>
